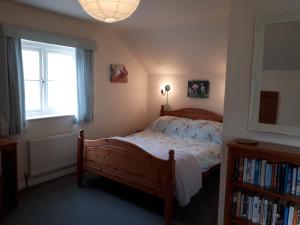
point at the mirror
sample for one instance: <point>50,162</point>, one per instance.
<point>275,86</point>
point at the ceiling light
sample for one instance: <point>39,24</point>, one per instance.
<point>109,11</point>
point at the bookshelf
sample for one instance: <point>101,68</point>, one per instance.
<point>243,179</point>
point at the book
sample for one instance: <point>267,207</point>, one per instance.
<point>248,174</point>
<point>250,208</point>
<point>290,215</point>
<point>242,205</point>
<point>294,178</point>
<point>298,182</point>
<point>245,206</point>
<point>295,217</point>
<point>274,186</point>
<point>286,216</point>
<point>245,170</point>
<point>240,169</point>
<point>268,176</point>
<point>289,180</point>
<point>263,171</point>
<point>234,203</point>
<point>256,172</point>
<point>238,205</point>
<point>265,212</point>
<point>274,214</point>
<point>280,214</point>
<point>269,213</point>
<point>252,171</point>
<point>255,209</point>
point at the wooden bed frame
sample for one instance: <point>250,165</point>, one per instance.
<point>131,165</point>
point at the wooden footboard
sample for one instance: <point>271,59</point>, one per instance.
<point>128,164</point>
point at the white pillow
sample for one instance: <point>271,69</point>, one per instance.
<point>200,130</point>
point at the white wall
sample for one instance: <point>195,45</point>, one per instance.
<point>239,58</point>
<point>119,108</point>
<point>178,93</point>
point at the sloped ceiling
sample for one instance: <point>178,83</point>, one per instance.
<point>167,36</point>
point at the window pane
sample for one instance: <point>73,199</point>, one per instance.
<point>60,66</point>
<point>55,95</point>
<point>31,64</point>
<point>33,95</point>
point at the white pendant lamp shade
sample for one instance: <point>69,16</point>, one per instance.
<point>109,11</point>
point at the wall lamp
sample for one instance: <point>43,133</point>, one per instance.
<point>166,90</point>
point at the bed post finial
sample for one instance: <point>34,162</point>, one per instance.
<point>80,157</point>
<point>162,110</point>
<point>171,154</point>
<point>169,198</point>
<point>81,134</point>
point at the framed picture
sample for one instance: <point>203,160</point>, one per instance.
<point>198,88</point>
<point>118,73</point>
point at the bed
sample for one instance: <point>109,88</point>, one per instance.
<point>147,160</point>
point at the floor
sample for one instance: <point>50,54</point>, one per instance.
<point>103,202</point>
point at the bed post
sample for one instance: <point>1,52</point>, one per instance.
<point>162,110</point>
<point>80,158</point>
<point>170,189</point>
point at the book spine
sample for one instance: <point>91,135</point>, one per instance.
<point>274,169</point>
<point>245,170</point>
<point>245,206</point>
<point>250,208</point>
<point>295,217</point>
<point>242,205</point>
<point>274,214</point>
<point>260,211</point>
<point>298,218</point>
<point>286,216</point>
<point>278,177</point>
<point>290,216</point>
<point>256,172</point>
<point>265,212</point>
<point>269,213</point>
<point>238,207</point>
<point>255,209</point>
<point>298,182</point>
<point>252,171</point>
<point>289,180</point>
<point>263,171</point>
<point>241,168</point>
<point>294,178</point>
<point>248,177</point>
<point>268,177</point>
<point>234,203</point>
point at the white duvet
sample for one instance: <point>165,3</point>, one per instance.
<point>192,158</point>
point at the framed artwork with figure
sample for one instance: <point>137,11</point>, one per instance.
<point>118,73</point>
<point>198,89</point>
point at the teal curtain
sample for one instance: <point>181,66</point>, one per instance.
<point>12,96</point>
<point>85,85</point>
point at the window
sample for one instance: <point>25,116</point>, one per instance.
<point>50,79</point>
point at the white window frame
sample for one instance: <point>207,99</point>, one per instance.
<point>44,49</point>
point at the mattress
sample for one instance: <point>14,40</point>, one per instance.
<point>192,158</point>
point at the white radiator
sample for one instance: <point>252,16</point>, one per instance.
<point>51,157</point>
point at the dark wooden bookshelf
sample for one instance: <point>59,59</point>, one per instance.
<point>242,221</point>
<point>273,153</point>
<point>267,192</point>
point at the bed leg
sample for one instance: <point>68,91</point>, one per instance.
<point>80,158</point>
<point>168,210</point>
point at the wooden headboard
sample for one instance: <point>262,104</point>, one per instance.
<point>192,113</point>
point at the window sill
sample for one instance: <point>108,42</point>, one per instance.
<point>48,116</point>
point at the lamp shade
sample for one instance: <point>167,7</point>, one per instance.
<point>109,11</point>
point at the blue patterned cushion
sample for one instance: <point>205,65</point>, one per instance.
<point>201,130</point>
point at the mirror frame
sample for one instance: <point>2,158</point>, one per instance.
<point>256,76</point>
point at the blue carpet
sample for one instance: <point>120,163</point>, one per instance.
<point>103,202</point>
